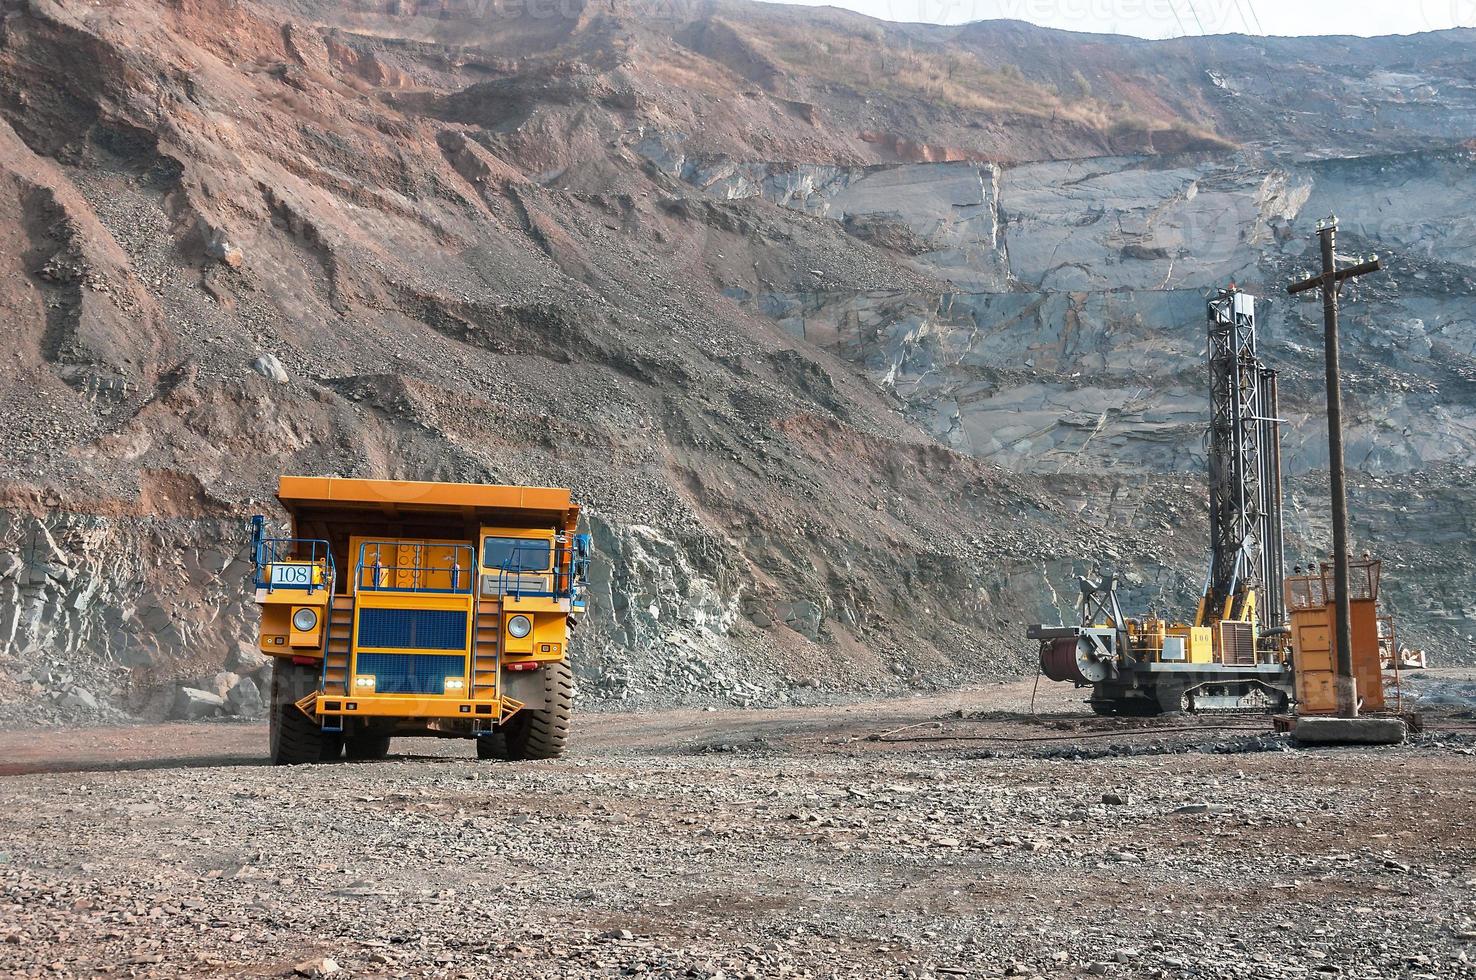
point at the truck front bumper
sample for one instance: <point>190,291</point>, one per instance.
<point>414,706</point>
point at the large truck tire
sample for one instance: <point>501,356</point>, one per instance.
<point>295,739</point>
<point>367,745</point>
<point>543,733</point>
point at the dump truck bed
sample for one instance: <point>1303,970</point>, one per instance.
<point>318,495</point>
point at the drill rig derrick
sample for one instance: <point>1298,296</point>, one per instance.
<point>1230,656</point>
<point>1243,447</point>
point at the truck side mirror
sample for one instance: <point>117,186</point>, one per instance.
<point>581,558</point>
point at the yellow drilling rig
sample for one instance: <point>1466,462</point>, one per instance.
<point>1232,656</point>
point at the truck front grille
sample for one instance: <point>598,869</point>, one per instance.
<point>412,629</point>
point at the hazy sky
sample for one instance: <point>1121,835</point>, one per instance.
<point>1172,18</point>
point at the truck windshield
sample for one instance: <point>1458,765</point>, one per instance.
<point>516,554</point>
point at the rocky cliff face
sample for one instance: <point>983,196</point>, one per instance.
<point>1084,354</point>
<point>854,338</point>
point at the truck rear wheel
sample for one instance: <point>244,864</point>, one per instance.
<point>492,746</point>
<point>367,745</point>
<point>295,739</point>
<point>543,733</point>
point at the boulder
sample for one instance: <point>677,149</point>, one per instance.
<point>804,617</point>
<point>221,683</point>
<point>133,651</point>
<point>244,699</point>
<point>245,659</point>
<point>191,704</point>
<point>79,698</point>
<point>270,368</point>
<point>224,251</point>
<point>153,618</point>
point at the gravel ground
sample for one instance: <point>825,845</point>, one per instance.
<point>748,844</point>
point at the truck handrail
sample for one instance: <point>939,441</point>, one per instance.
<point>269,552</point>
<point>567,578</point>
<point>419,573</point>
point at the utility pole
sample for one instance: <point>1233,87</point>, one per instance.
<point>1330,282</point>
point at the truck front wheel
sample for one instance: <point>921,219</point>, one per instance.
<point>295,738</point>
<point>543,733</point>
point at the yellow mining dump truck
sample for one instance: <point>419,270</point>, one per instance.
<point>410,608</point>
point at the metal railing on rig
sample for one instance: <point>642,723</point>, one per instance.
<point>451,575</point>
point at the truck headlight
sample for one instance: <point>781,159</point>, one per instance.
<point>364,680</point>
<point>520,626</point>
<point>455,683</point>
<point>304,620</point>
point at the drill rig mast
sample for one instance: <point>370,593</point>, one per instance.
<point>1244,450</point>
<point>1217,661</point>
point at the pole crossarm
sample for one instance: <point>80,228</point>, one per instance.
<point>1318,281</point>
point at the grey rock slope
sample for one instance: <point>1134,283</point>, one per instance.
<point>1072,339</point>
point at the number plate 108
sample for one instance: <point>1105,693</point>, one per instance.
<point>292,575</point>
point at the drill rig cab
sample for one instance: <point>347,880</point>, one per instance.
<point>1232,655</point>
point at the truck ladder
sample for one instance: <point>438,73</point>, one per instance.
<point>487,656</point>
<point>336,679</point>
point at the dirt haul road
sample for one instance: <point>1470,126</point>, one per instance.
<point>748,844</point>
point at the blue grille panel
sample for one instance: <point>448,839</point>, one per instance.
<point>410,673</point>
<point>412,629</point>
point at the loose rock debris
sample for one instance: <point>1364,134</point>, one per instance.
<point>823,855</point>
